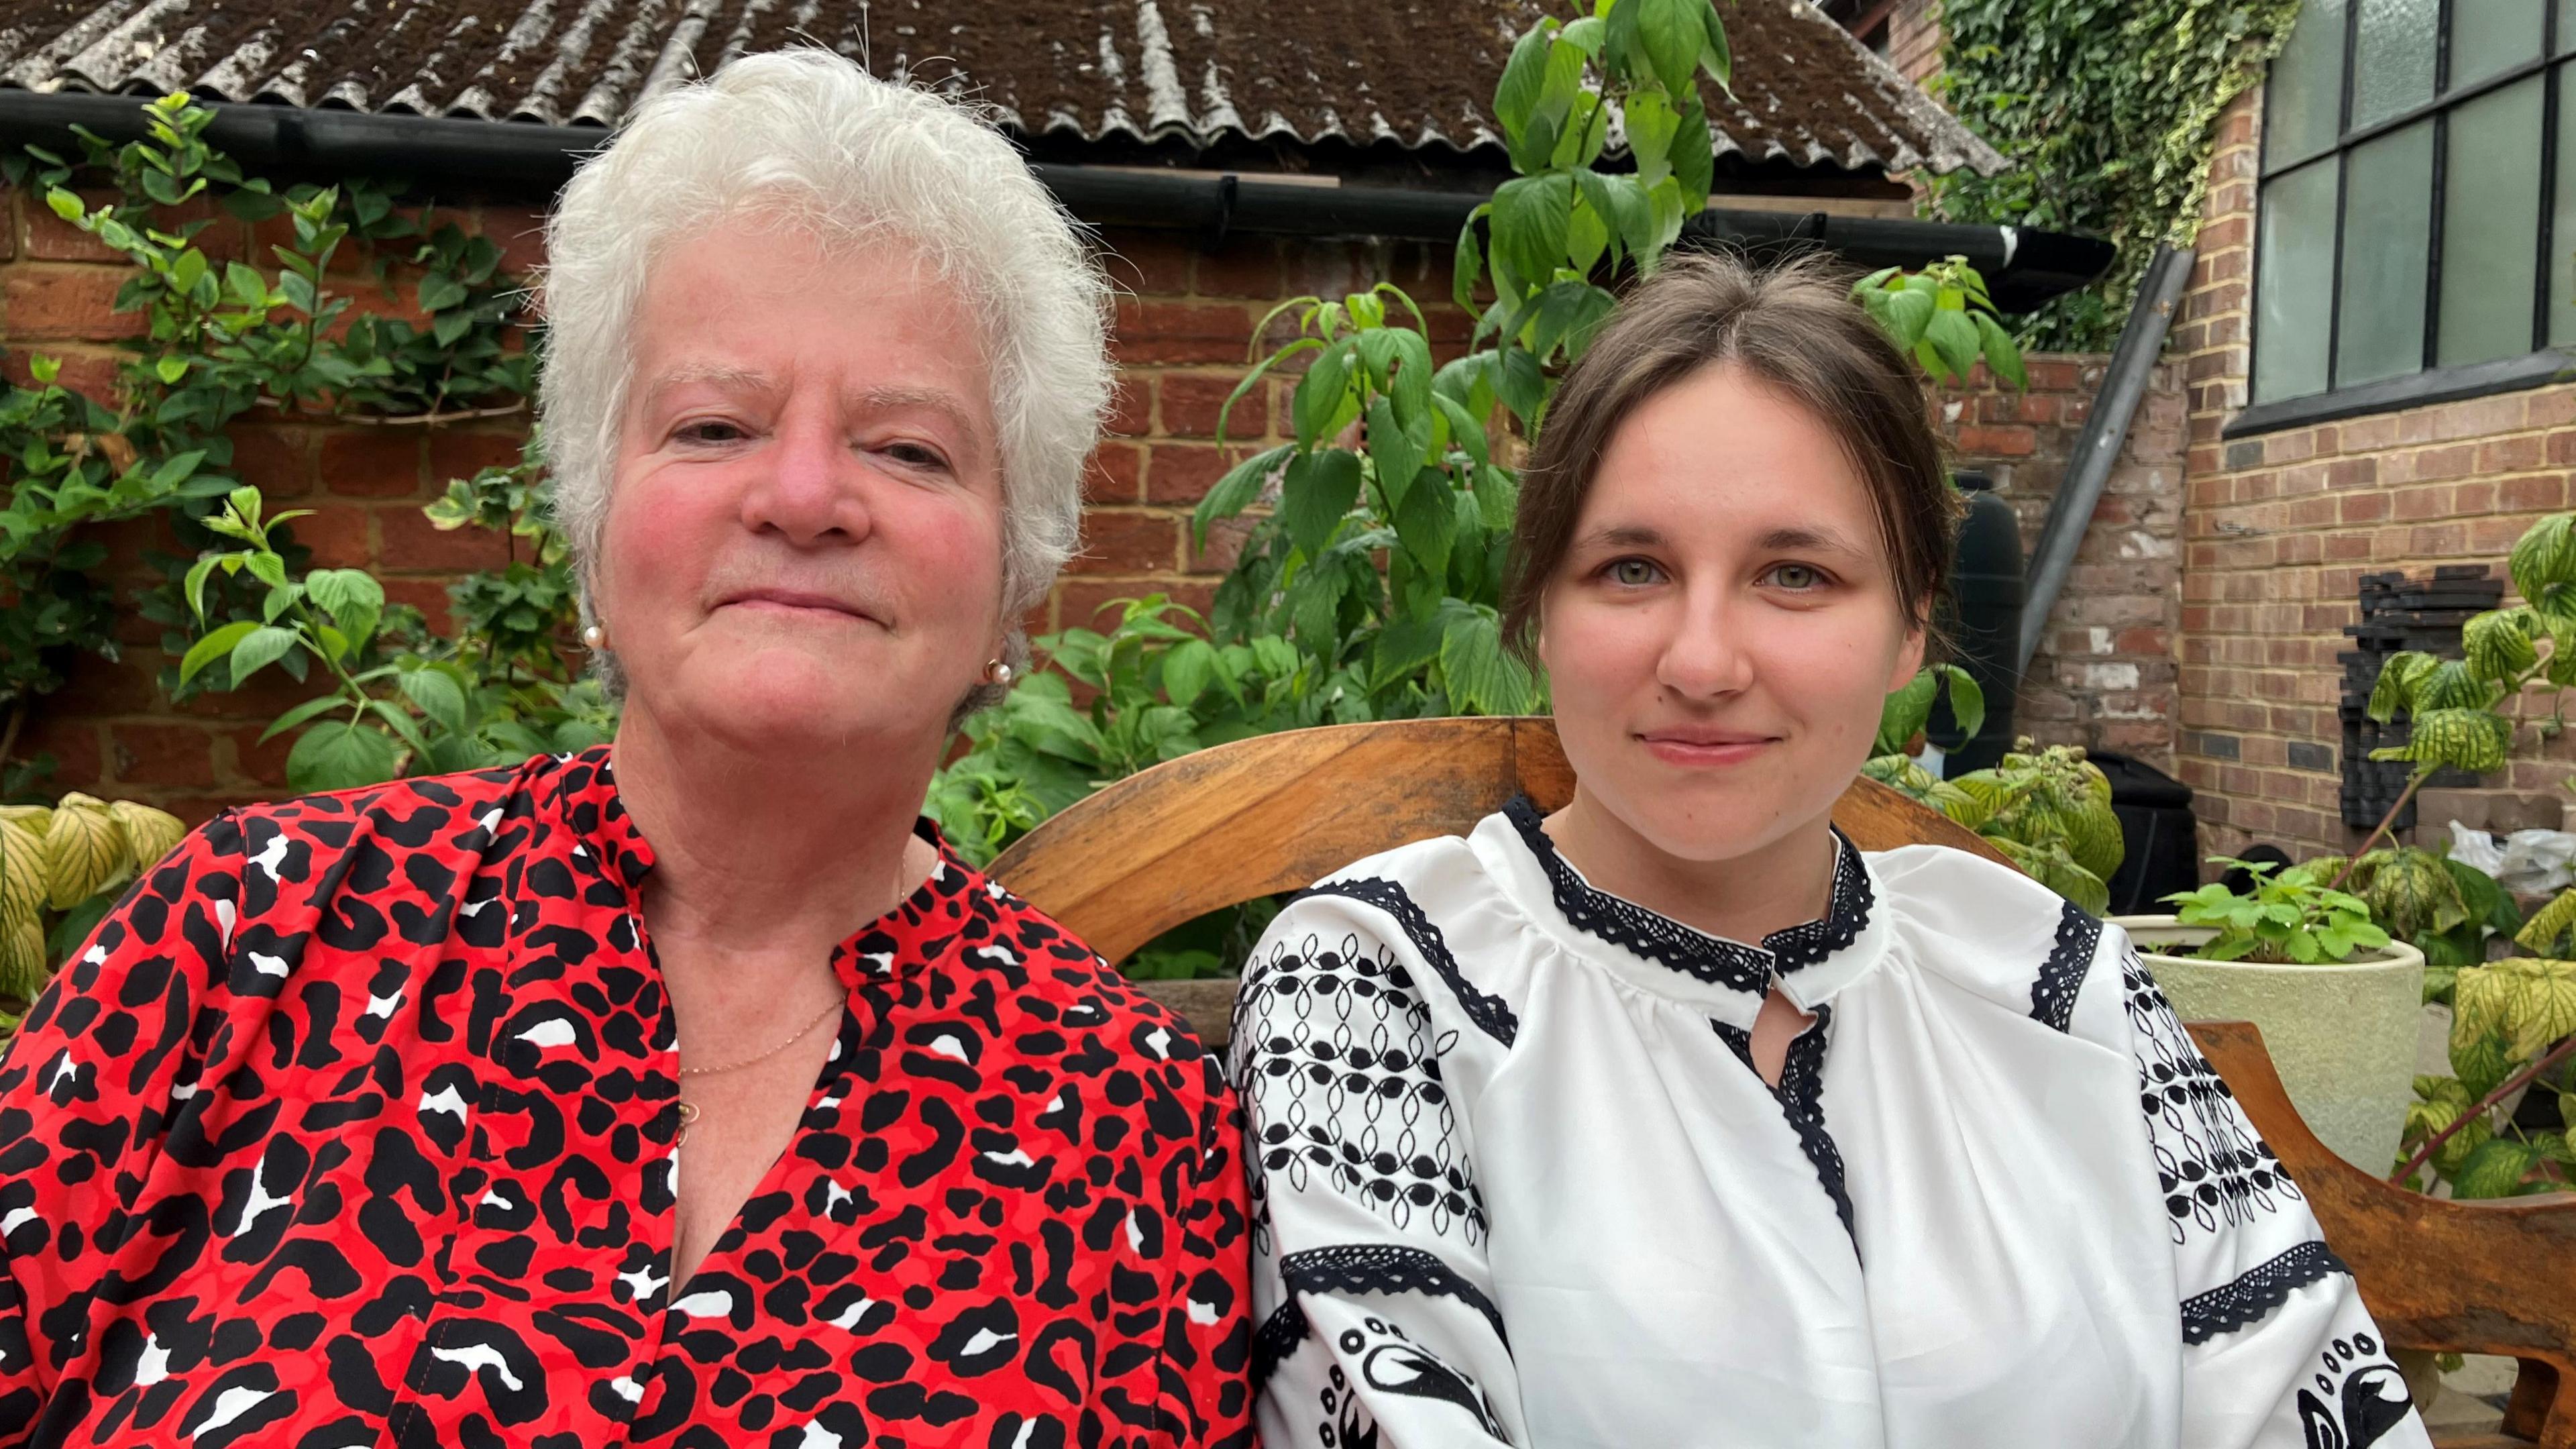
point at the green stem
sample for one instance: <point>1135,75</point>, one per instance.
<point>9,734</point>
<point>2485,1104</point>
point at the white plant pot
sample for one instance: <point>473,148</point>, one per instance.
<point>2341,1035</point>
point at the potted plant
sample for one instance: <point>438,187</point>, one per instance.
<point>2337,1000</point>
<point>2047,809</point>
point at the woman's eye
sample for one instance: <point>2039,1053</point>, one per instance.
<point>915,455</point>
<point>710,430</point>
<point>1634,573</point>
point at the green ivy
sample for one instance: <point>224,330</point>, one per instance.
<point>2108,110</point>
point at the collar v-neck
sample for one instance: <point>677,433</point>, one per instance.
<point>1811,960</point>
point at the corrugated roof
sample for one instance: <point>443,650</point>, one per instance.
<point>1418,75</point>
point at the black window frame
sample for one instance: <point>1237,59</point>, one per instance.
<point>2433,382</point>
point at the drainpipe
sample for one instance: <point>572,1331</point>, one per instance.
<point>2106,430</point>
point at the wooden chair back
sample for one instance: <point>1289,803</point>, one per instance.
<point>1277,812</point>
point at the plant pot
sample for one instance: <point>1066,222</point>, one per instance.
<point>2341,1034</point>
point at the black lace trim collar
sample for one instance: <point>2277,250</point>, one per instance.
<point>1713,959</point>
<point>2252,1297</point>
<point>1801,1095</point>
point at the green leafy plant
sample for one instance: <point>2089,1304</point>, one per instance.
<point>2047,809</point>
<point>2109,116</point>
<point>220,341</point>
<point>429,708</point>
<point>2290,916</point>
<point>61,866</point>
<point>2443,907</point>
<point>2513,1029</point>
<point>1944,318</point>
<point>1904,714</point>
<point>2455,706</point>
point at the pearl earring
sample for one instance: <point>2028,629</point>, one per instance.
<point>594,638</point>
<point>999,673</point>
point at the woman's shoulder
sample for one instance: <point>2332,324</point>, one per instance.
<point>1988,928</point>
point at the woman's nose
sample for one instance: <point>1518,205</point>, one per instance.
<point>810,486</point>
<point>1703,657</point>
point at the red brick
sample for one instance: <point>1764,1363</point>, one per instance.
<point>372,463</point>
<point>455,454</point>
<point>1148,264</point>
<point>276,461</point>
<point>1984,442</point>
<point>1182,332</point>
<point>1131,406</point>
<point>52,239</point>
<point>521,235</point>
<point>1114,474</point>
<point>412,545</point>
<point>179,755</point>
<point>1191,403</point>
<point>96,686</point>
<point>72,742</point>
<point>1180,474</point>
<point>1224,545</point>
<point>1245,266</point>
<point>90,375</point>
<point>2540,493</point>
<point>256,763</point>
<point>74,303</point>
<point>338,534</point>
<point>427,595</point>
<point>1128,543</point>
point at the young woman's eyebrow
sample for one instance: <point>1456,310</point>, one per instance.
<point>1622,535</point>
<point>1809,538</point>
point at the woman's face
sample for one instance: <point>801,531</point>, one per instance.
<point>1723,630</point>
<point>804,538</point>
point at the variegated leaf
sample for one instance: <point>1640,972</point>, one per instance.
<point>149,834</point>
<point>85,851</point>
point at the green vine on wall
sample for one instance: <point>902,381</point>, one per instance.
<point>2108,110</point>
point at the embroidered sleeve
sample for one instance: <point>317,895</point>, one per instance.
<point>1376,1321</point>
<point>2278,1351</point>
<point>104,1070</point>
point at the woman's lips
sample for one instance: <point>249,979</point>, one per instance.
<point>794,606</point>
<point>1705,751</point>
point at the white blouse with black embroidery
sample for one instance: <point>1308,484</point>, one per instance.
<point>1516,1181</point>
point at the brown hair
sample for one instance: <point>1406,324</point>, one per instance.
<point>1796,327</point>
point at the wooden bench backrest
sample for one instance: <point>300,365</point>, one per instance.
<point>1277,812</point>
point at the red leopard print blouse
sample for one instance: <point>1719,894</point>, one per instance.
<point>354,1125</point>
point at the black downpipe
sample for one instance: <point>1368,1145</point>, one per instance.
<point>527,161</point>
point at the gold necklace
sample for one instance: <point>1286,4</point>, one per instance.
<point>689,1110</point>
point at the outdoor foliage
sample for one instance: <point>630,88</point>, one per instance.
<point>2289,917</point>
<point>2109,114</point>
<point>223,342</point>
<point>61,867</point>
<point>2513,1024</point>
<point>2047,809</point>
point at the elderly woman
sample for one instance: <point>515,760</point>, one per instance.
<point>1671,1118</point>
<point>688,1091</point>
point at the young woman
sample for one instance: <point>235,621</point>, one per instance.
<point>1673,1119</point>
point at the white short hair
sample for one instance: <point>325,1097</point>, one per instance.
<point>808,138</point>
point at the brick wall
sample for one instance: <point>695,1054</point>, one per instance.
<point>1914,39</point>
<point>2280,528</point>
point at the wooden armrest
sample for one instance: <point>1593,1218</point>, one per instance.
<point>2495,1277</point>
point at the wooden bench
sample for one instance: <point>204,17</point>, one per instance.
<point>1275,813</point>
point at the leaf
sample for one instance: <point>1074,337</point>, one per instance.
<point>85,851</point>
<point>439,696</point>
<point>1426,522</point>
<point>1908,314</point>
<point>1967,700</point>
<point>438,292</point>
<point>2529,1001</point>
<point>1398,451</point>
<point>1482,678</point>
<point>2545,555</point>
<point>2498,643</point>
<point>1672,36</point>
<point>2548,924</point>
<point>25,885</point>
<point>352,598</point>
<point>259,648</point>
<point>1524,76</point>
<point>1719,57</point>
<point>1322,393</point>
<point>2003,355</point>
<point>1954,338</point>
<point>1529,221</point>
<point>149,834</point>
<point>23,969</point>
<point>2464,739</point>
<point>1317,494</point>
<point>337,755</point>
<point>2394,690</point>
<point>1903,714</point>
<point>213,646</point>
<point>1235,491</point>
<point>2495,1168</point>
<point>1188,668</point>
<point>298,715</point>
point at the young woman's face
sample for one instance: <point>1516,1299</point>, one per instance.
<point>1723,629</point>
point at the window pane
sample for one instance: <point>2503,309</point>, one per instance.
<point>2304,97</point>
<point>2566,26</point>
<point>2386,247</point>
<point>2392,62</point>
<point>2562,232</point>
<point>2492,35</point>
<point>2490,224</point>
<point>2294,279</point>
